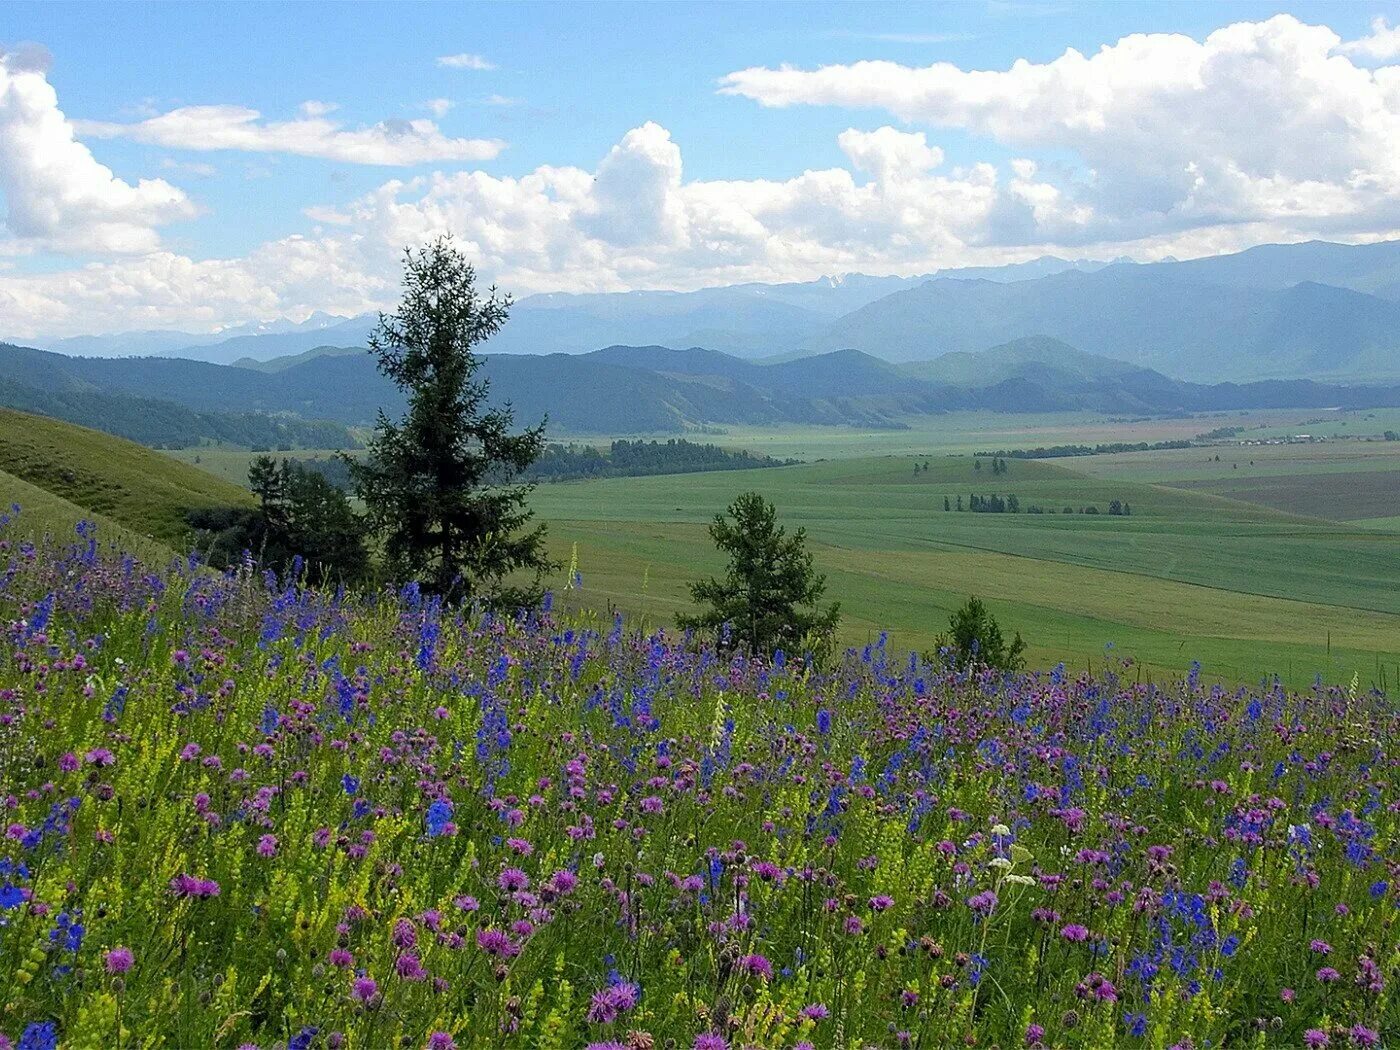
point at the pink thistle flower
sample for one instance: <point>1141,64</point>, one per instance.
<point>757,966</point>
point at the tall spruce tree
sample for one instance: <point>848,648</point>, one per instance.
<point>440,485</point>
<point>769,598</point>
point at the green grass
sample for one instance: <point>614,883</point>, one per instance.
<point>1245,589</point>
<point>107,477</point>
<point>231,464</point>
<point>44,514</point>
<point>962,433</point>
<point>1339,480</point>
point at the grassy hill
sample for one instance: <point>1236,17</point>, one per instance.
<point>42,514</point>
<point>97,474</point>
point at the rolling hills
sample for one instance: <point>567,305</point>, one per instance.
<point>120,481</point>
<point>156,401</point>
<point>1189,330</point>
<point>308,400</point>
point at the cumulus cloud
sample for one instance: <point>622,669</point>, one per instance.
<point>465,60</point>
<point>1155,145</point>
<point>57,196</point>
<point>224,127</point>
<point>631,222</point>
<point>1256,121</point>
<point>1382,45</point>
<point>438,107</point>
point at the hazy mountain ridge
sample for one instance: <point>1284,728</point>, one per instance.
<point>750,319</point>
<point>1310,310</point>
<point>657,389</point>
<point>1190,330</point>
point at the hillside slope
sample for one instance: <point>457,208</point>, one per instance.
<point>132,486</point>
<point>156,401</point>
<point>623,390</point>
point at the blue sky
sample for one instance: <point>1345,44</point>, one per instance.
<point>709,186</point>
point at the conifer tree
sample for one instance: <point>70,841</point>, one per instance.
<point>770,595</point>
<point>440,484</point>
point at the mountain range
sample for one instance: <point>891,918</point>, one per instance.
<point>1314,310</point>
<point>315,399</point>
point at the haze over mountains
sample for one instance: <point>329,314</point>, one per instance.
<point>315,399</point>
<point>1313,310</point>
<point>1304,325</point>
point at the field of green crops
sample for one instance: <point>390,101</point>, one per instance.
<point>1273,558</point>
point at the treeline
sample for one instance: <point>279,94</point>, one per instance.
<point>1011,504</point>
<point>641,458</point>
<point>1060,451</point>
<point>575,462</point>
<point>164,424</point>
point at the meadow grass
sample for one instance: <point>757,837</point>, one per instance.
<point>42,515</point>
<point>136,487</point>
<point>1246,589</point>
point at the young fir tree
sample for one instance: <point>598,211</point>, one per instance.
<point>974,639</point>
<point>440,485</point>
<point>769,597</point>
<point>301,514</point>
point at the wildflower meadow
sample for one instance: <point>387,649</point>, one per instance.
<point>243,811</point>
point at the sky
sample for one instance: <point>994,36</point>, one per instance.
<point>201,166</point>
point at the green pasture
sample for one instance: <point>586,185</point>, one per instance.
<point>1285,565</point>
<point>1245,589</point>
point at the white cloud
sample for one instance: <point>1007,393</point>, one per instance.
<point>1155,145</point>
<point>438,107</point>
<point>1383,43</point>
<point>465,60</point>
<point>632,222</point>
<point>57,196</point>
<point>223,127</point>
<point>1258,121</point>
<point>310,108</point>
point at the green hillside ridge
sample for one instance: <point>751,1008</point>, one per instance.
<point>281,364</point>
<point>42,514</point>
<point>121,481</point>
<point>1010,360</point>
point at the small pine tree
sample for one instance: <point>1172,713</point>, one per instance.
<point>770,595</point>
<point>974,639</point>
<point>303,514</point>
<point>946,505</point>
<point>440,484</point>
